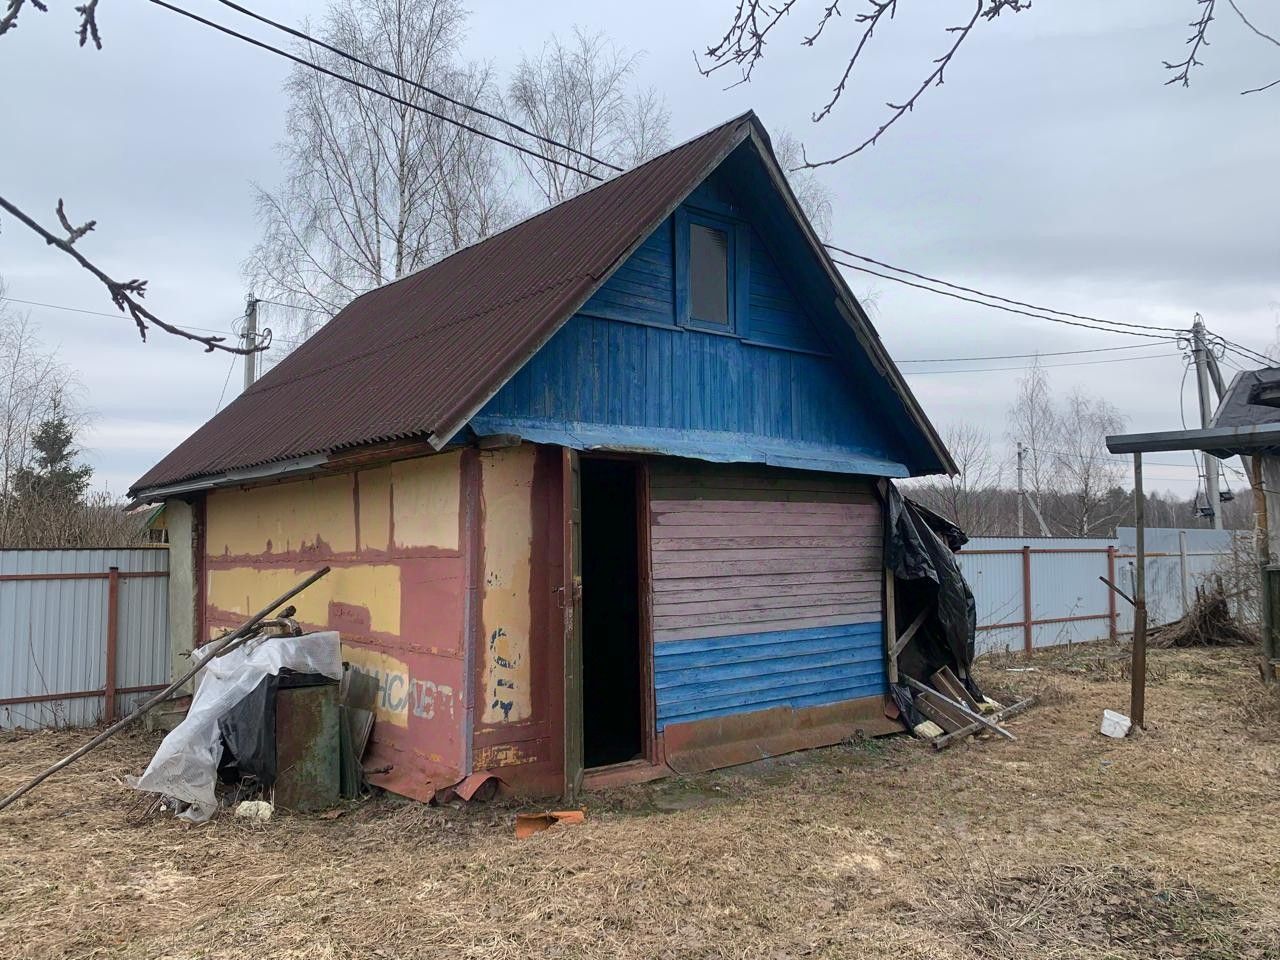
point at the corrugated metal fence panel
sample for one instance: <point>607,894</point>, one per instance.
<point>53,633</point>
<point>1065,585</point>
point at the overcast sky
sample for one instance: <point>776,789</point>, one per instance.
<point>1054,166</point>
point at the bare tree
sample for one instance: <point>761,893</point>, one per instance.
<point>375,187</point>
<point>577,93</point>
<point>1085,472</point>
<point>32,383</point>
<point>1033,422</point>
<point>755,21</point>
<point>815,196</point>
<point>968,497</point>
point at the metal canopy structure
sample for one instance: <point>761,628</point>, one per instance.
<point>1222,442</point>
<point>1259,441</point>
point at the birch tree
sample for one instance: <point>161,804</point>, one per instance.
<point>32,384</point>
<point>1033,422</point>
<point>375,189</point>
<point>1086,472</point>
<point>578,92</point>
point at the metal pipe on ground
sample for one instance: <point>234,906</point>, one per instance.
<point>221,646</point>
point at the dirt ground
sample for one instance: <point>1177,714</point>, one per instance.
<point>1063,844</point>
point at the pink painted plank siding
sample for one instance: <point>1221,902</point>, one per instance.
<point>742,553</point>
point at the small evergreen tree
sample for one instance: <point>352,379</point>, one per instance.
<point>54,478</point>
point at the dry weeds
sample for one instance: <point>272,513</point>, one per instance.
<point>1061,845</point>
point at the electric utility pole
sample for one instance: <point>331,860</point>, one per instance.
<point>1200,351</point>
<point>1021,525</point>
<point>250,336</point>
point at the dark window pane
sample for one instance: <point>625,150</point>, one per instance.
<point>708,274</point>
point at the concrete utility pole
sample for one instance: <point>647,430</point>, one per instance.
<point>1021,525</point>
<point>250,340</point>
<point>1200,350</point>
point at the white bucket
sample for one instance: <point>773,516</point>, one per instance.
<point>1115,724</point>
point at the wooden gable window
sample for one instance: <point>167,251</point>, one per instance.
<point>709,271</point>
<point>709,274</point>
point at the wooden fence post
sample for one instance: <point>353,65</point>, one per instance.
<point>1027,640</point>
<point>1113,630</point>
<point>113,626</point>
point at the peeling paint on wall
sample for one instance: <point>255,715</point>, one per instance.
<point>366,592</point>
<point>282,518</point>
<point>396,593</point>
<point>507,478</point>
<point>427,501</point>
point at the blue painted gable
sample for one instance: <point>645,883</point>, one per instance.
<point>789,385</point>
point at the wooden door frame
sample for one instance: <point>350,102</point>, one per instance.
<point>649,740</point>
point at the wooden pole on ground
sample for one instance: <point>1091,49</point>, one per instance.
<point>220,646</point>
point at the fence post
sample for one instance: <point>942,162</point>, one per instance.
<point>113,616</point>
<point>1182,570</point>
<point>1111,594</point>
<point>1026,599</point>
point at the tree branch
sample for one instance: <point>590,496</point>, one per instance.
<point>10,19</point>
<point>983,9</point>
<point>1196,41</point>
<point>124,294</point>
<point>88,23</point>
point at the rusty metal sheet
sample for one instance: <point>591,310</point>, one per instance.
<point>744,737</point>
<point>416,357</point>
<point>307,741</point>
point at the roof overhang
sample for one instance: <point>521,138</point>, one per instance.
<point>230,478</point>
<point>1222,442</point>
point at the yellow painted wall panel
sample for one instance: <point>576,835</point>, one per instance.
<point>375,587</point>
<point>428,495</point>
<point>375,508</point>
<point>507,477</point>
<point>281,518</point>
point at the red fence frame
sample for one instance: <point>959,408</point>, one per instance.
<point>110,692</point>
<point>1028,621</point>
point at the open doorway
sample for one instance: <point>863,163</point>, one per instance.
<point>612,701</point>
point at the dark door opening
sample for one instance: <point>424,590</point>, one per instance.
<point>612,709</point>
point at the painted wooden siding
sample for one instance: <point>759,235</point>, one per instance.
<point>766,589</point>
<point>715,677</point>
<point>642,386</point>
<point>643,288</point>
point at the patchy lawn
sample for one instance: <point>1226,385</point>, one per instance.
<point>1063,844</point>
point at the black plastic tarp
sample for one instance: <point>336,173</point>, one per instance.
<point>919,548</point>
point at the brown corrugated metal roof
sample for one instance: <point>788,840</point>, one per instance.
<point>417,357</point>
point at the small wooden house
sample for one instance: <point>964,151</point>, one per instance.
<point>599,492</point>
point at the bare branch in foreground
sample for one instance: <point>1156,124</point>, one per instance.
<point>10,19</point>
<point>124,294</point>
<point>1196,41</point>
<point>983,9</point>
<point>89,23</point>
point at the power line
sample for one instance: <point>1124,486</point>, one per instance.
<point>992,296</point>
<point>391,74</point>
<point>984,303</point>
<point>1078,363</point>
<point>1028,356</point>
<point>302,61</point>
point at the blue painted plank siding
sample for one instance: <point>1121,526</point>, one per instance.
<point>706,678</point>
<point>624,362</point>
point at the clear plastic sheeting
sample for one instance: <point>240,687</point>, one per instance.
<point>185,766</point>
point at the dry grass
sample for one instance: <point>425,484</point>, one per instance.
<point>1063,844</point>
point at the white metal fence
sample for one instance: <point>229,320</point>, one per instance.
<point>1041,592</point>
<point>84,634</point>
